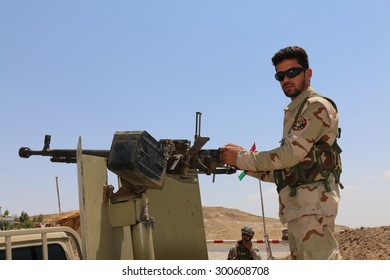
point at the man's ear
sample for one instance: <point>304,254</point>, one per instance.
<point>309,73</point>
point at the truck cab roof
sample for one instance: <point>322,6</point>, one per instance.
<point>38,244</point>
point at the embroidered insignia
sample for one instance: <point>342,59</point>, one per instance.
<point>300,123</point>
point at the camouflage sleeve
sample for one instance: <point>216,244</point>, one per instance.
<point>313,124</point>
<point>255,253</point>
<point>232,253</point>
<point>266,176</point>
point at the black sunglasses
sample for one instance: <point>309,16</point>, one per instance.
<point>291,73</point>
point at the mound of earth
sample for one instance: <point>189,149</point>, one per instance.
<point>365,243</point>
<point>68,219</point>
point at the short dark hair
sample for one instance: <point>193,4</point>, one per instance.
<point>291,52</point>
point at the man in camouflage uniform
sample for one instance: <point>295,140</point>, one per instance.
<point>306,167</point>
<point>244,249</point>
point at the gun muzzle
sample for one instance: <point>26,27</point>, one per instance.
<point>24,152</point>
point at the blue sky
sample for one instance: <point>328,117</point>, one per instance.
<point>91,68</point>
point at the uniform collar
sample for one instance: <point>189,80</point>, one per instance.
<point>300,98</point>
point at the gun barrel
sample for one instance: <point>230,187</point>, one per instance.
<point>61,155</point>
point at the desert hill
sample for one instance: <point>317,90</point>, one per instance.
<point>225,223</point>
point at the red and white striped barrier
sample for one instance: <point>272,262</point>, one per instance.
<point>219,241</point>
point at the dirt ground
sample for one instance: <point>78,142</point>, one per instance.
<point>371,243</point>
<point>365,243</point>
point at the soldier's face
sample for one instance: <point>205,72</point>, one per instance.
<point>292,87</point>
<point>246,237</point>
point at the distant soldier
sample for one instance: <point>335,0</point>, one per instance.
<point>306,167</point>
<point>244,249</point>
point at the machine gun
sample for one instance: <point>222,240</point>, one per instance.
<point>142,161</point>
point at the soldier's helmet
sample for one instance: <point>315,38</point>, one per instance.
<point>248,230</point>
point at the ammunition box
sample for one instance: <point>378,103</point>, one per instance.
<point>138,159</point>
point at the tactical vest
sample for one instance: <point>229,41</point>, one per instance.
<point>243,253</point>
<point>321,161</point>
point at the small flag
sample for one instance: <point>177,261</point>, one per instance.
<point>243,173</point>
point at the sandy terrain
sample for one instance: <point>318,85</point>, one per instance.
<point>224,223</point>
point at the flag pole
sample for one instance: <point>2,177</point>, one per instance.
<point>266,237</point>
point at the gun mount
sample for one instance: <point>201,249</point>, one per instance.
<point>121,224</point>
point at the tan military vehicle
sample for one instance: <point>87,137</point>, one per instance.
<point>59,243</point>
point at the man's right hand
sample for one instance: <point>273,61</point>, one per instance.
<point>229,153</point>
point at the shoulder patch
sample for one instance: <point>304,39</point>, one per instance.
<point>300,123</point>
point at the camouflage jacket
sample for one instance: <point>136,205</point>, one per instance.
<point>318,121</point>
<point>239,252</point>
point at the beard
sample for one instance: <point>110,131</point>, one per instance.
<point>295,93</point>
<point>296,90</point>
